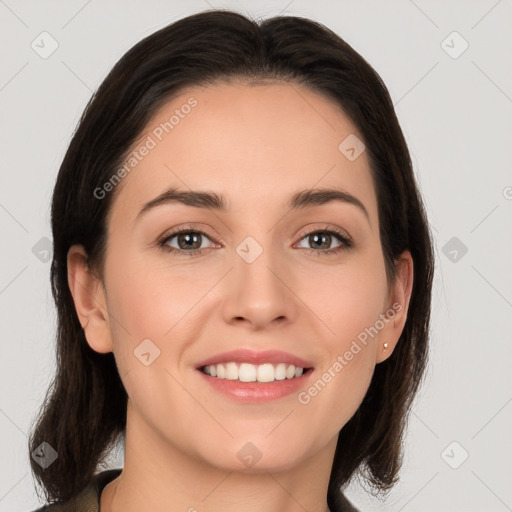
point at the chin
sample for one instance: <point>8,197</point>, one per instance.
<point>256,457</point>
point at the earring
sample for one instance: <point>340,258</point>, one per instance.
<point>386,345</point>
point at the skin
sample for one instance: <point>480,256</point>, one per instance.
<point>256,145</point>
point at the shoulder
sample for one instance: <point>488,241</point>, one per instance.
<point>87,500</point>
<point>342,504</point>
<point>60,507</point>
<point>47,508</point>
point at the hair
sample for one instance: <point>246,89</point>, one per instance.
<point>83,414</point>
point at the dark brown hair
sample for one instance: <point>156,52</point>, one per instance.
<point>84,411</point>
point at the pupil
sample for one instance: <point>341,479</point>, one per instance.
<point>320,238</point>
<point>189,239</point>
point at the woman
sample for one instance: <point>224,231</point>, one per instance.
<point>242,272</point>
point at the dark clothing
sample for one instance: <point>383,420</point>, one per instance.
<point>89,499</point>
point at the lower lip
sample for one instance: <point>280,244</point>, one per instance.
<point>257,391</point>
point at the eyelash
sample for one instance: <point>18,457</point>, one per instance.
<point>346,242</point>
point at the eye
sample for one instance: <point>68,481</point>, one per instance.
<point>185,240</point>
<point>322,239</point>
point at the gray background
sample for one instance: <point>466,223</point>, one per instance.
<point>456,114</point>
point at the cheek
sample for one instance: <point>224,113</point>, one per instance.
<point>150,300</point>
<point>348,299</point>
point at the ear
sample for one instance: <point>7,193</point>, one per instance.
<point>90,301</point>
<point>397,307</point>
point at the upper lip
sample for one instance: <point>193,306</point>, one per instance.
<point>253,357</point>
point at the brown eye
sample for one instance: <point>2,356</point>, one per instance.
<point>321,241</point>
<point>185,241</point>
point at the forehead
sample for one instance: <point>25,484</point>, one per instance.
<point>251,143</point>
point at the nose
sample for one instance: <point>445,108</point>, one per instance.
<point>259,293</point>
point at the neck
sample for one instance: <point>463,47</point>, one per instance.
<point>160,476</point>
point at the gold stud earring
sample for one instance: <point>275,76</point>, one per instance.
<point>386,345</point>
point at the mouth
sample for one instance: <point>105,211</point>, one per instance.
<point>247,372</point>
<point>255,377</point>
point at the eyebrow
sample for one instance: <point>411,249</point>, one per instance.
<point>212,200</point>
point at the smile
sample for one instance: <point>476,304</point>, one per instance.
<point>246,372</point>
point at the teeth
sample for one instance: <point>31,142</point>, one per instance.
<point>280,373</point>
<point>219,369</point>
<point>265,373</point>
<point>246,372</point>
<point>231,371</point>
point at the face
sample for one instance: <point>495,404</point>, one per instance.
<point>289,282</point>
